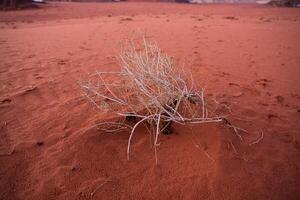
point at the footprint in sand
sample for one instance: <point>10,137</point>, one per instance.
<point>279,99</point>
<point>31,56</point>
<point>70,54</point>
<point>126,19</point>
<point>199,19</point>
<point>238,94</point>
<point>271,116</point>
<point>297,146</point>
<point>296,96</point>
<point>251,91</point>
<point>84,48</point>
<point>233,84</point>
<point>37,76</point>
<point>231,18</point>
<point>222,74</point>
<point>265,19</point>
<point>62,62</point>
<point>263,103</point>
<point>263,82</point>
<point>28,90</point>
<point>5,100</point>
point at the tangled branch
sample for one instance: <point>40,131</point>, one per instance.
<point>149,89</point>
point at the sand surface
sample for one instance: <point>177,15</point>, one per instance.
<point>246,56</point>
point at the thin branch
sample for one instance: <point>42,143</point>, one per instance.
<point>258,139</point>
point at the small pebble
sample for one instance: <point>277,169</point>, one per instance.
<point>238,94</point>
<point>40,143</point>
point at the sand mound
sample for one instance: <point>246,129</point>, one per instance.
<point>64,169</point>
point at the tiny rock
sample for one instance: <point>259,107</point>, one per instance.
<point>238,94</point>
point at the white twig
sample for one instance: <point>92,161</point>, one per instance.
<point>258,139</point>
<point>132,131</point>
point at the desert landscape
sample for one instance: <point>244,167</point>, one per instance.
<point>245,56</point>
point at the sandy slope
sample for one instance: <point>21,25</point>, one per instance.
<point>246,56</point>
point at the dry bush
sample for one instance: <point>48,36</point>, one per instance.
<point>285,3</point>
<point>16,4</point>
<point>150,90</point>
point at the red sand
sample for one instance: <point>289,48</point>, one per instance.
<point>250,62</point>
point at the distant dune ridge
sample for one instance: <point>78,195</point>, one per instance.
<point>290,3</point>
<point>13,4</point>
<point>221,1</point>
<point>180,1</point>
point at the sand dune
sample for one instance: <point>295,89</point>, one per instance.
<point>246,56</point>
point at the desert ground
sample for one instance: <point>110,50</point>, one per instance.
<point>246,56</point>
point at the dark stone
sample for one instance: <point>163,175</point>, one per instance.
<point>39,143</point>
